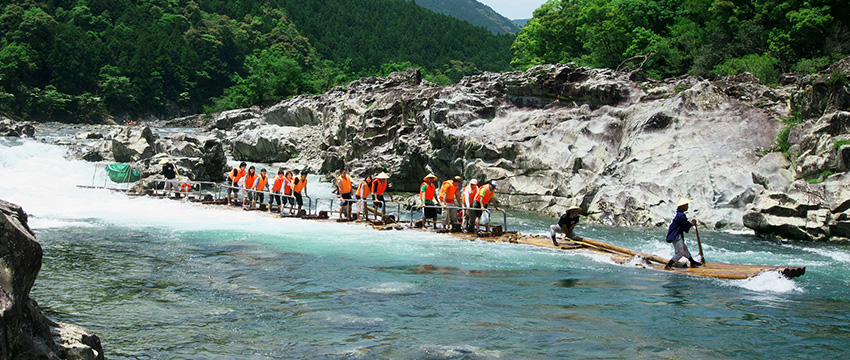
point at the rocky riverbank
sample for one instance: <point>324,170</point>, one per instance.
<point>25,332</point>
<point>623,147</point>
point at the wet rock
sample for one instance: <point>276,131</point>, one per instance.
<point>131,144</point>
<point>772,172</point>
<point>88,135</point>
<point>13,128</point>
<point>225,120</point>
<point>26,332</point>
<point>265,144</point>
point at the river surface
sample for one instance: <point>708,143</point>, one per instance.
<point>162,279</point>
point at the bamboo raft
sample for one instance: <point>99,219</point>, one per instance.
<point>619,255</point>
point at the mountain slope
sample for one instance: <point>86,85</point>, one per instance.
<point>474,12</point>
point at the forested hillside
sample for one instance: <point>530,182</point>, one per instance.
<point>698,37</point>
<point>473,11</point>
<point>87,59</point>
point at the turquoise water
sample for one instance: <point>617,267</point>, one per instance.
<point>160,279</point>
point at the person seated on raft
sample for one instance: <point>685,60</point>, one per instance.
<point>566,224</point>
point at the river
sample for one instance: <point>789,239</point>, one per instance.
<point>161,279</point>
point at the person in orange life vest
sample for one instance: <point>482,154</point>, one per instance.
<point>248,185</point>
<point>379,187</point>
<point>468,197</point>
<point>344,187</point>
<point>428,199</point>
<point>261,185</point>
<point>288,197</point>
<point>234,176</point>
<point>363,191</point>
<point>299,190</point>
<point>450,198</point>
<point>277,188</point>
<point>482,199</point>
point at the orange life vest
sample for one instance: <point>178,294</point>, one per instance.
<point>448,192</point>
<point>300,186</point>
<point>287,186</point>
<point>344,184</point>
<point>379,186</point>
<point>469,193</point>
<point>428,193</point>
<point>261,183</point>
<point>249,180</point>
<point>239,174</point>
<point>484,195</point>
<point>363,190</point>
<point>278,182</point>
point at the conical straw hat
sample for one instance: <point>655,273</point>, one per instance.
<point>683,201</point>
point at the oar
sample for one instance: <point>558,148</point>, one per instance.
<point>702,257</point>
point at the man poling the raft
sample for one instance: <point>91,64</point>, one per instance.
<point>676,235</point>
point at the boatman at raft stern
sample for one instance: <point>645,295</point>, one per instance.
<point>449,196</point>
<point>566,224</point>
<point>428,199</point>
<point>343,185</point>
<point>676,235</point>
<point>379,187</point>
<point>171,176</point>
<point>234,176</point>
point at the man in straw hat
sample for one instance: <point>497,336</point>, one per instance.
<point>171,175</point>
<point>428,199</point>
<point>566,224</point>
<point>676,234</point>
<point>379,187</point>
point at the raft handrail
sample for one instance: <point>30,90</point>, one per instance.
<point>198,184</point>
<point>333,199</point>
<point>270,193</point>
<point>464,208</point>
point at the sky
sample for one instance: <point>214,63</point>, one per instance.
<point>514,9</point>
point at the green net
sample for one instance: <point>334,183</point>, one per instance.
<point>123,173</point>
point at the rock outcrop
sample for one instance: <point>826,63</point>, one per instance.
<point>25,333</point>
<point>9,127</point>
<point>556,135</point>
<point>199,157</point>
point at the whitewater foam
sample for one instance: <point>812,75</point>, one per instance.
<point>771,282</point>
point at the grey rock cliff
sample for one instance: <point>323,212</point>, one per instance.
<point>24,332</point>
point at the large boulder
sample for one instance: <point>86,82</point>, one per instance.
<point>13,128</point>
<point>265,143</point>
<point>25,333</point>
<point>805,211</point>
<point>225,120</point>
<point>131,144</point>
<point>773,172</point>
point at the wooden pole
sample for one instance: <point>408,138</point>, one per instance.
<point>699,243</point>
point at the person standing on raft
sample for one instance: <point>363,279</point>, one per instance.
<point>299,190</point>
<point>363,191</point>
<point>481,200</point>
<point>566,224</point>
<point>234,176</point>
<point>171,176</point>
<point>379,187</point>
<point>468,195</point>
<point>250,180</point>
<point>262,186</point>
<point>343,186</point>
<point>449,196</point>
<point>676,235</point>
<point>428,200</point>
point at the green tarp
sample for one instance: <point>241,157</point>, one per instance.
<point>123,173</point>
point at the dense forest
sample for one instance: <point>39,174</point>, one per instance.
<point>697,37</point>
<point>84,60</point>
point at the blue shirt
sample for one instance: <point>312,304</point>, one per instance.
<point>680,223</point>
